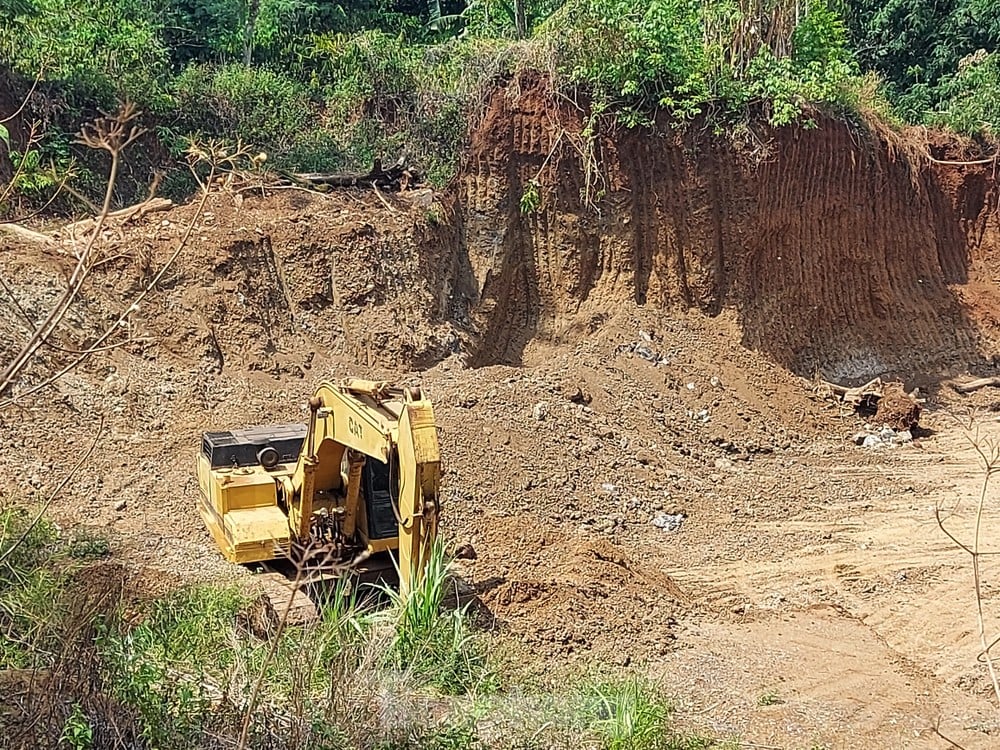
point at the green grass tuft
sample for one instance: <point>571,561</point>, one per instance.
<point>435,642</point>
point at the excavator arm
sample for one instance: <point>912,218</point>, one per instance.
<point>356,422</point>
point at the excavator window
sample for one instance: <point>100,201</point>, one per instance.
<point>381,488</point>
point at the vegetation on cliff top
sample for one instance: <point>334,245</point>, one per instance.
<point>331,86</point>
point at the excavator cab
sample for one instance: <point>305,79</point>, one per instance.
<point>381,497</point>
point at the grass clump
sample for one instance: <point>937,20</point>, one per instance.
<point>32,578</point>
<point>436,642</point>
<point>628,715</point>
<point>191,670</point>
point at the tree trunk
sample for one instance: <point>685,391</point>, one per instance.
<point>520,20</point>
<point>253,9</point>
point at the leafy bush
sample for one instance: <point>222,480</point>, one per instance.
<point>971,98</point>
<point>917,46</point>
<point>98,51</point>
<point>257,106</point>
<point>691,58</point>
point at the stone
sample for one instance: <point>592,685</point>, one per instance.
<point>669,522</point>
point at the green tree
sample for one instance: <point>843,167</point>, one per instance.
<point>915,44</point>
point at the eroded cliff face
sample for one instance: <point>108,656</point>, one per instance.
<point>842,252</point>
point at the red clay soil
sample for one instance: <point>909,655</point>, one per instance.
<point>841,251</point>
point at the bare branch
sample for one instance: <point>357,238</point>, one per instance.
<point>111,134</point>
<point>99,344</point>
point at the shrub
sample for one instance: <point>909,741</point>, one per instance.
<point>971,97</point>
<point>256,105</point>
<point>98,52</point>
<point>435,642</point>
<point>691,58</point>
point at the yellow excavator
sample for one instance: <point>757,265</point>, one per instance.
<point>359,479</point>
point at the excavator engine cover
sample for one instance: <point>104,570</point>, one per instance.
<point>244,447</point>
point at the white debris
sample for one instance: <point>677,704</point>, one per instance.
<point>669,522</point>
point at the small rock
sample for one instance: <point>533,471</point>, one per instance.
<point>872,441</point>
<point>723,463</point>
<point>859,438</point>
<point>669,522</point>
<point>645,457</point>
<point>121,505</point>
<point>540,410</point>
<point>904,437</point>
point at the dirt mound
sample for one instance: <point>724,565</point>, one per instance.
<point>259,280</point>
<point>566,594</point>
<point>839,253</point>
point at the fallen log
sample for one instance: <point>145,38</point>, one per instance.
<point>974,385</point>
<point>24,234</point>
<point>872,390</point>
<point>888,403</point>
<point>137,211</point>
<point>396,177</point>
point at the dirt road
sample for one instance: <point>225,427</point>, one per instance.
<point>868,639</point>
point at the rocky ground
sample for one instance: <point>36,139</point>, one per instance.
<point>640,488</point>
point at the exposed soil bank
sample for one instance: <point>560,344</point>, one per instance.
<point>841,252</point>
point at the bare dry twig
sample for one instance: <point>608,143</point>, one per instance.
<point>99,344</point>
<point>988,453</point>
<point>112,134</point>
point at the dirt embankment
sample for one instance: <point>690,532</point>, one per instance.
<point>843,251</point>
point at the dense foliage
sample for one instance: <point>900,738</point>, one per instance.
<point>328,86</point>
<point>938,59</point>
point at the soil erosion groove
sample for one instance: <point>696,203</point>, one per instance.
<point>842,252</point>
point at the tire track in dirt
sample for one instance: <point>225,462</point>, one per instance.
<point>887,563</point>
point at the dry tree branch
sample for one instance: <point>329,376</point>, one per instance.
<point>112,134</point>
<point>63,185</point>
<point>30,141</point>
<point>99,344</point>
<point>27,97</point>
<point>936,729</point>
<point>304,563</point>
<point>988,453</point>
